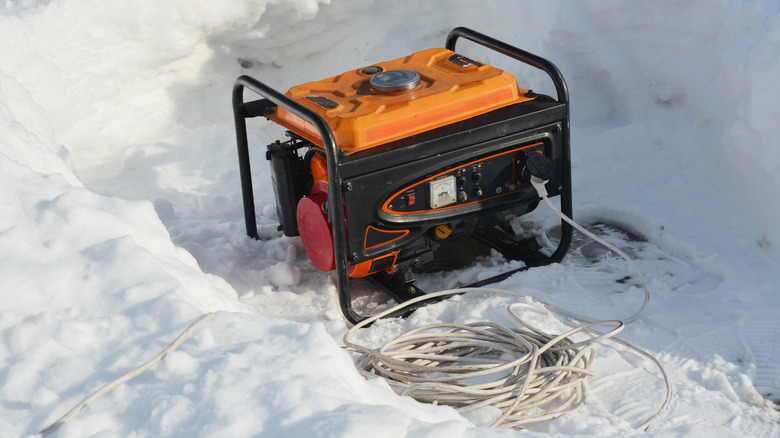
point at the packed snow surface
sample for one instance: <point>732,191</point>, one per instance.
<point>121,215</point>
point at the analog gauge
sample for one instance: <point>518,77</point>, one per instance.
<point>443,191</point>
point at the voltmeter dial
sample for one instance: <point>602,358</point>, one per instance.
<point>443,191</point>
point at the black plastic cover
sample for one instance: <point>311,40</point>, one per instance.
<point>288,185</point>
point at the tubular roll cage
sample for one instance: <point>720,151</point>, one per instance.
<point>272,98</point>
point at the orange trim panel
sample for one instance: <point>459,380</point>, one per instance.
<point>379,237</point>
<point>363,269</point>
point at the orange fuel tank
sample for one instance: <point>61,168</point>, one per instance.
<point>395,99</point>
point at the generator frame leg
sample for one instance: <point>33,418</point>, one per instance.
<point>272,98</point>
<point>243,110</point>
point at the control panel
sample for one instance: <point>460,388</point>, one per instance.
<point>476,181</point>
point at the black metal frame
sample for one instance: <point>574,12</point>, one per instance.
<point>272,98</point>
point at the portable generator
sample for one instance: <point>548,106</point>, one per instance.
<point>386,164</point>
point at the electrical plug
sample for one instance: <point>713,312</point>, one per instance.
<point>537,170</point>
<point>537,165</point>
<point>539,185</point>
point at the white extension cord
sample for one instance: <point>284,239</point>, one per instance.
<point>525,374</point>
<point>127,376</point>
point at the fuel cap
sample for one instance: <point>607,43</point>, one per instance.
<point>394,81</point>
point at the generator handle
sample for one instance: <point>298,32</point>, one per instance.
<point>563,98</point>
<point>242,111</point>
<point>513,52</point>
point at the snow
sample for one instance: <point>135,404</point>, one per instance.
<point>121,221</point>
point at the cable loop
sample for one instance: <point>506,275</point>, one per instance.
<point>469,366</point>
